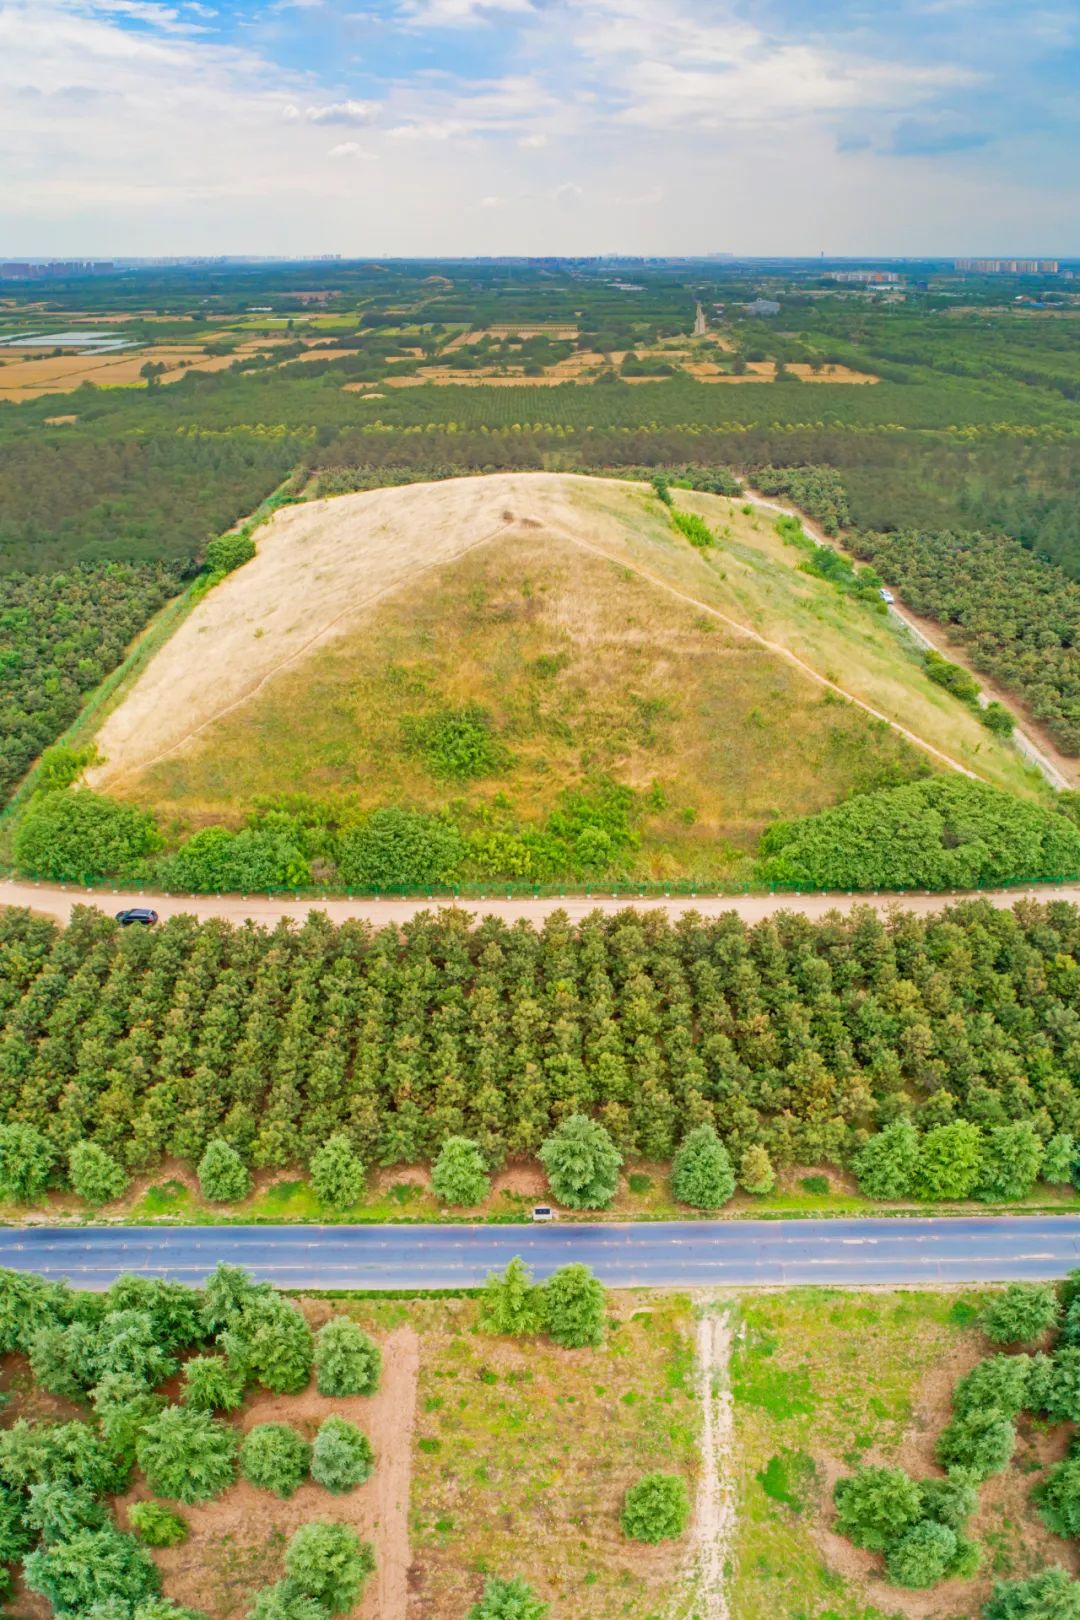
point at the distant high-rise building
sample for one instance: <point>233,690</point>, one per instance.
<point>1008,267</point>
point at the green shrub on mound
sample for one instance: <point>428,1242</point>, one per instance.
<point>945,833</point>
<point>74,836</point>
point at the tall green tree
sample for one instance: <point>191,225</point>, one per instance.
<point>582,1163</point>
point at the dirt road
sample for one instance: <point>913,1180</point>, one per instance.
<point>268,909</point>
<point>922,632</point>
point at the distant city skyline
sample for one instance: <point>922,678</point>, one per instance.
<point>457,128</point>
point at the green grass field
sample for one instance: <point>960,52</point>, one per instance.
<point>823,1381</point>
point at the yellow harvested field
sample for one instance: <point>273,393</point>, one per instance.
<point>708,371</point>
<point>60,374</point>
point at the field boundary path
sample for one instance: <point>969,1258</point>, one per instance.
<point>714,1510</point>
<point>931,1252</point>
<point>59,901</point>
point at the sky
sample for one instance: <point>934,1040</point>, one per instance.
<point>446,127</point>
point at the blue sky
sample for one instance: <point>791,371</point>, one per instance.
<point>529,126</point>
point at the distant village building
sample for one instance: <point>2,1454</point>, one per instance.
<point>763,306</point>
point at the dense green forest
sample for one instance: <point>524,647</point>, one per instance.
<point>797,1037</point>
<point>1017,617</point>
<point>60,634</point>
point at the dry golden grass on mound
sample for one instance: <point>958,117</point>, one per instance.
<point>584,669</point>
<point>364,611</point>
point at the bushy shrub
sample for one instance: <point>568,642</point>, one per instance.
<point>693,528</point>
<point>72,1453</point>
<point>1021,1314</point>
<point>93,1566</point>
<point>95,1174</point>
<point>397,848</point>
<point>330,1563</point>
<point>656,1509</point>
<point>572,1304</point>
<point>217,860</point>
<point>459,1175</point>
<point>27,1304</point>
<point>213,1384</point>
<point>979,1442</point>
<point>1064,1395</point>
<point>946,832</point>
<point>187,1455</point>
<point>157,1524</point>
<point>511,1302</point>
<point>275,1458</point>
<point>58,1510</point>
<point>950,1501</point>
<point>337,1175</point>
<point>998,719</point>
<point>756,1174</point>
<point>922,1555</point>
<point>341,1457</point>
<point>285,1601</point>
<point>997,1383</point>
<point>950,1161</point>
<point>228,551</point>
<point>347,1360</point>
<point>1050,1595</point>
<point>953,677</point>
<point>229,1292</point>
<point>582,1163</point>
<point>885,1168</point>
<point>272,1344</point>
<point>76,836</point>
<point>875,1506</point>
<point>175,1310</point>
<point>1059,1498</point>
<point>224,1178</point>
<point>507,1600</point>
<point>153,1608</point>
<point>701,1175</point>
<point>457,745</point>
<point>26,1163</point>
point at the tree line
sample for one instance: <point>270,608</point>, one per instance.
<point>800,1039</point>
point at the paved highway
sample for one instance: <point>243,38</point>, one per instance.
<point>743,1254</point>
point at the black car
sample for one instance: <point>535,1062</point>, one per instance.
<point>137,914</point>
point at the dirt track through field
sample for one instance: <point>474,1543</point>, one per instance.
<point>59,902</point>
<point>322,565</point>
<point>714,1512</point>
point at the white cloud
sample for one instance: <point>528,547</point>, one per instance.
<point>347,149</point>
<point>491,202</point>
<point>343,112</point>
<point>533,143</point>
<point>459,13</point>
